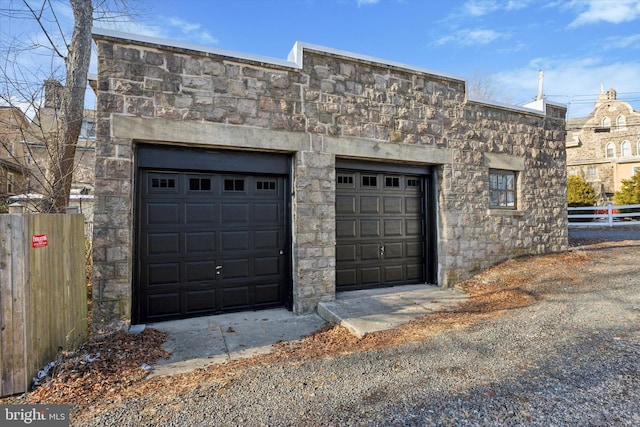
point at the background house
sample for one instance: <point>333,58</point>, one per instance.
<point>23,170</point>
<point>604,147</point>
<point>14,176</point>
<point>228,182</point>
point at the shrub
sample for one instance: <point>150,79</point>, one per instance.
<point>579,192</point>
<point>629,193</point>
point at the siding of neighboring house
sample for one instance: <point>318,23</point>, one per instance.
<point>340,120</point>
<point>604,148</point>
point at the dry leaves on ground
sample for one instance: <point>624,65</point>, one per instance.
<point>106,372</point>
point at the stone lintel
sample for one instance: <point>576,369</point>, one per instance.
<point>383,150</point>
<point>503,161</point>
<point>207,134</point>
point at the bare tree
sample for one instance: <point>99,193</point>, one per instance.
<point>486,88</point>
<point>23,83</point>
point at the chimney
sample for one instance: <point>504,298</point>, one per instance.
<point>52,94</point>
<point>540,85</point>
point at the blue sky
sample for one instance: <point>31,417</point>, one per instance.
<point>579,45</point>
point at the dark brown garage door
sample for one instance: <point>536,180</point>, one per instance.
<point>381,237</point>
<point>210,243</point>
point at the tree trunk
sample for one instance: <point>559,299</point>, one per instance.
<point>61,164</point>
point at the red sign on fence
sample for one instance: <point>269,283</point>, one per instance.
<point>39,241</point>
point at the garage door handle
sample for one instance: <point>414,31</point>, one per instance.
<point>218,268</point>
<point>382,250</point>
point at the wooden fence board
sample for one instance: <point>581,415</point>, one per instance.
<point>43,305</point>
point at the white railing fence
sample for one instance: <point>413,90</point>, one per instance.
<point>610,215</point>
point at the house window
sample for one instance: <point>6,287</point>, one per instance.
<point>10,183</point>
<point>502,188</point>
<point>621,122</point>
<point>625,149</point>
<point>610,150</point>
<point>88,130</point>
<point>606,122</point>
<point>592,173</point>
<point>10,149</point>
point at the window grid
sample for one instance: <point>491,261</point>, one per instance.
<point>502,189</point>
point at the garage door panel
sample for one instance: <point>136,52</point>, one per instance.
<point>392,205</point>
<point>346,277</point>
<point>197,242</point>
<point>200,271</point>
<point>266,266</point>
<point>163,244</point>
<point>235,213</point>
<point>163,213</point>
<point>346,204</point>
<point>209,243</point>
<point>346,228</point>
<point>371,275</point>
<point>267,293</point>
<point>393,273</point>
<point>201,300</point>
<point>414,249</point>
<point>163,273</point>
<point>267,239</point>
<point>369,251</point>
<point>235,240</point>
<point>393,250</point>
<point>369,228</point>
<point>346,253</point>
<point>392,227</point>
<point>200,213</point>
<point>160,305</point>
<point>414,273</point>
<point>369,204</point>
<point>413,228</point>
<point>235,268</point>
<point>235,297</point>
<point>266,213</point>
<point>413,205</point>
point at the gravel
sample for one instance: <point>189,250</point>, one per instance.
<point>570,359</point>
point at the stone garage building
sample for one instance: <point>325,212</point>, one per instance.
<point>230,182</point>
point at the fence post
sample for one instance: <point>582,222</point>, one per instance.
<point>610,213</point>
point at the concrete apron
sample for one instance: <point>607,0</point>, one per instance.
<point>204,341</point>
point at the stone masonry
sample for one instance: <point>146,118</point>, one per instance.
<point>321,105</point>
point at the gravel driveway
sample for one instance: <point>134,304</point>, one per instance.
<point>570,359</point>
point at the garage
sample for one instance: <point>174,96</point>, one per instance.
<point>212,232</point>
<point>383,226</point>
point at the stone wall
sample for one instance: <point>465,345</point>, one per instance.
<point>323,105</point>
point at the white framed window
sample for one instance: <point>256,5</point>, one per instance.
<point>621,122</point>
<point>502,189</point>
<point>625,149</point>
<point>610,150</point>
<point>606,122</point>
<point>592,173</point>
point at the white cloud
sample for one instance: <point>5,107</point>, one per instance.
<point>621,42</point>
<point>485,7</point>
<point>614,12</point>
<point>561,84</point>
<point>365,2</point>
<point>471,37</point>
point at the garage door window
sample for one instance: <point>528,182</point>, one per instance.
<point>233,184</point>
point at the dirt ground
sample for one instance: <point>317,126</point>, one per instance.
<point>105,372</point>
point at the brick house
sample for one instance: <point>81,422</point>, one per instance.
<point>604,147</point>
<point>234,182</point>
<point>14,175</point>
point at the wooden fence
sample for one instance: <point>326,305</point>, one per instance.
<point>43,298</point>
